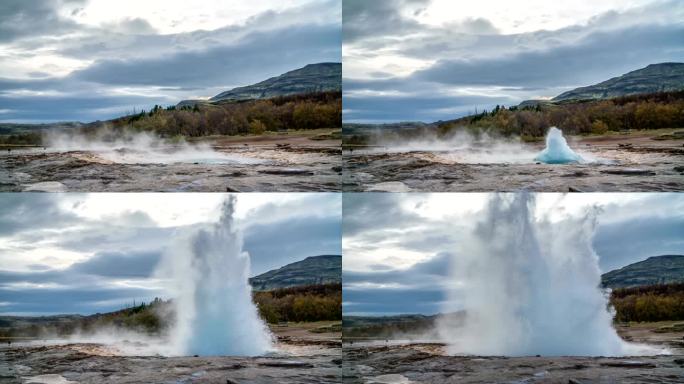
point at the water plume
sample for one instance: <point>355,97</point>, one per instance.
<point>209,273</point>
<point>531,286</point>
<point>557,150</point>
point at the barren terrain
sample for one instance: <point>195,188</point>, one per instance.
<point>302,161</point>
<point>630,162</point>
<point>423,362</point>
<point>306,353</point>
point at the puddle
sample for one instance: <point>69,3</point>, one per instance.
<point>47,379</point>
<point>389,379</point>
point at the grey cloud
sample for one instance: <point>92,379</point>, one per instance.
<point>72,300</point>
<point>22,18</point>
<point>426,274</point>
<point>74,107</point>
<point>365,212</point>
<point>597,57</point>
<point>294,47</point>
<point>649,236</point>
<point>363,18</point>
<point>119,264</point>
<point>19,213</point>
<point>416,108</point>
<point>392,301</point>
<point>273,245</point>
<point>134,25</point>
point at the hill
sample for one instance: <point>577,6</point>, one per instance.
<point>666,269</point>
<point>321,77</point>
<point>314,270</point>
<point>662,77</point>
<point>312,78</point>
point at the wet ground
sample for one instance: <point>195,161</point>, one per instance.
<point>302,357</point>
<point>428,363</point>
<point>272,164</point>
<point>625,163</point>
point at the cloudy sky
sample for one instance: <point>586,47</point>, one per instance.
<point>426,60</point>
<point>82,60</point>
<point>86,253</point>
<point>397,247</point>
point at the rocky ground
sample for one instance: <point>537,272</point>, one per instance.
<point>632,162</point>
<point>307,353</point>
<point>427,363</point>
<point>283,164</point>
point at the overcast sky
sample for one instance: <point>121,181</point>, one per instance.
<point>397,247</point>
<point>87,253</point>
<point>429,60</point>
<point>81,60</point>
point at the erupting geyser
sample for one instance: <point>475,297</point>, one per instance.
<point>215,314</point>
<point>531,286</point>
<point>557,150</point>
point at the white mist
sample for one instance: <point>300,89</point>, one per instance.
<point>131,147</point>
<point>531,286</point>
<point>209,273</point>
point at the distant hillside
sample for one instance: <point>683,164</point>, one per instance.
<point>665,269</point>
<point>314,270</point>
<point>321,77</point>
<point>663,77</point>
<point>313,78</point>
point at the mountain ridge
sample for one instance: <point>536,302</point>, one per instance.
<point>313,270</point>
<point>663,269</point>
<point>658,77</point>
<point>311,78</point>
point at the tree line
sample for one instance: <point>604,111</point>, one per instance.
<point>307,303</point>
<point>649,303</point>
<point>308,111</point>
<point>646,111</point>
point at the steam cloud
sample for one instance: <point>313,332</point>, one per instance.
<point>130,147</point>
<point>531,286</point>
<point>209,273</point>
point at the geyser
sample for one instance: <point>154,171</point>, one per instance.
<point>209,272</point>
<point>530,286</point>
<point>557,150</point>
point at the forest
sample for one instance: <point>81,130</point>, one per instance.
<point>306,111</point>
<point>306,303</point>
<point>649,303</point>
